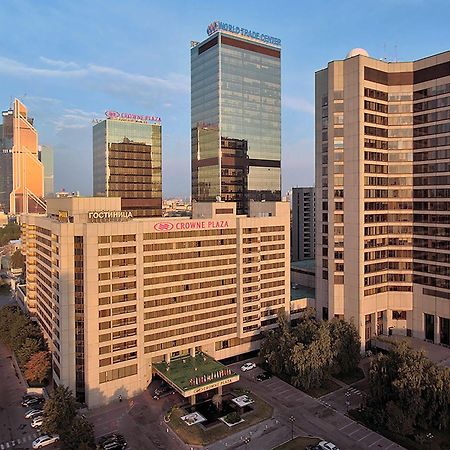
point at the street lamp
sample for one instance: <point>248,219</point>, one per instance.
<point>292,420</point>
<point>247,441</point>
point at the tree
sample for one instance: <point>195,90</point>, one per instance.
<point>397,421</point>
<point>412,386</point>
<point>59,411</point>
<point>38,367</point>
<point>277,346</point>
<point>80,435</point>
<point>345,345</point>
<point>8,233</point>
<point>18,260</point>
<point>29,347</point>
<point>312,359</point>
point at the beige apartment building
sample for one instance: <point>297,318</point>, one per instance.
<point>116,296</point>
<point>383,195</point>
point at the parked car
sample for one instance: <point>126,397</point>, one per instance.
<point>324,445</point>
<point>31,413</point>
<point>37,422</point>
<point>264,376</point>
<point>113,442</point>
<point>248,366</point>
<point>45,439</point>
<point>32,402</point>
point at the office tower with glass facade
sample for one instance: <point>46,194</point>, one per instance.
<point>21,172</point>
<point>235,119</point>
<point>46,158</point>
<point>303,223</point>
<point>382,195</point>
<point>127,163</point>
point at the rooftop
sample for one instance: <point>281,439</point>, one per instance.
<point>306,265</point>
<point>193,374</point>
<point>302,292</point>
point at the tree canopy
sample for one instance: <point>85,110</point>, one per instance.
<point>38,367</point>
<point>60,417</point>
<point>20,334</point>
<point>412,387</point>
<point>306,354</point>
<point>80,435</point>
<point>18,260</point>
<point>8,233</point>
<point>59,411</point>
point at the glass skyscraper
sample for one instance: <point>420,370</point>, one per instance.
<point>235,119</point>
<point>46,158</point>
<point>127,164</point>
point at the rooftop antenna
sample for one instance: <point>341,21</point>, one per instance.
<point>395,53</point>
<point>384,52</point>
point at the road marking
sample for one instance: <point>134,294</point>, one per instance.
<point>378,440</point>
<point>358,429</point>
<point>345,426</point>
<point>389,446</point>
<point>365,436</point>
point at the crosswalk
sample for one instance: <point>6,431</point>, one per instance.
<point>354,391</point>
<point>18,441</point>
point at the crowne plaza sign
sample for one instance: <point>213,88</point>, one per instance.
<point>190,225</point>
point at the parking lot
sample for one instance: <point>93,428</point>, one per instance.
<point>312,417</point>
<point>140,420</point>
<point>15,430</point>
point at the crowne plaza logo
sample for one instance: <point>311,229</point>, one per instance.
<point>163,226</point>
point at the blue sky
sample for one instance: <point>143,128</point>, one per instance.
<point>71,60</point>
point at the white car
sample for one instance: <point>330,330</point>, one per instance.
<point>37,422</point>
<point>248,366</point>
<point>44,440</point>
<point>31,413</point>
<point>324,445</point>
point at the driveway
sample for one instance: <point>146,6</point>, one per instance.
<point>140,420</point>
<point>312,418</point>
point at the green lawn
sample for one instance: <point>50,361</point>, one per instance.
<point>299,443</point>
<point>352,378</point>
<point>326,388</point>
<point>196,435</point>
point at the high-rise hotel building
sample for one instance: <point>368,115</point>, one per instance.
<point>127,162</point>
<point>21,172</point>
<point>236,116</point>
<point>115,295</point>
<point>383,195</point>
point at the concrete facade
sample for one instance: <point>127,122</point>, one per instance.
<point>382,200</point>
<point>113,293</point>
<point>303,223</point>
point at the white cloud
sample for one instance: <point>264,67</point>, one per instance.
<point>298,104</point>
<point>17,69</point>
<point>104,78</point>
<point>74,119</point>
<point>58,63</point>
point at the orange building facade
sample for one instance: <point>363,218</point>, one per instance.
<point>21,172</point>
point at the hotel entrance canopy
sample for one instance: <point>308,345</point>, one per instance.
<point>190,375</point>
